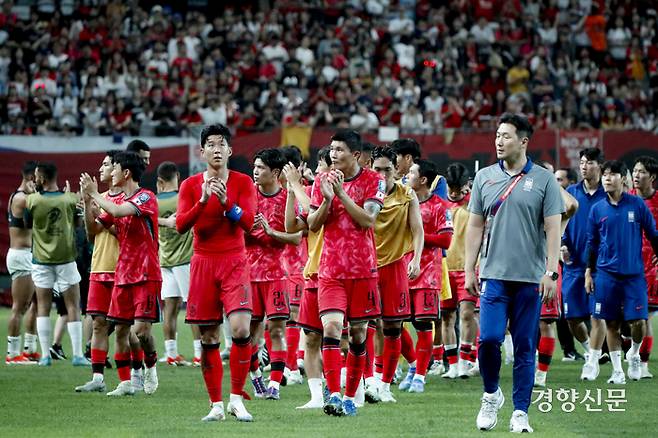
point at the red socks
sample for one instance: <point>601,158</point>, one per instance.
<point>645,348</point>
<point>137,359</point>
<point>150,359</point>
<point>437,352</point>
<point>123,365</point>
<point>465,351</point>
<point>356,360</point>
<point>239,362</point>
<point>545,349</point>
<point>408,349</point>
<point>423,351</point>
<point>332,360</point>
<point>98,358</point>
<point>370,352</point>
<point>277,363</point>
<point>213,371</point>
<point>254,358</point>
<point>292,341</point>
<point>392,349</point>
<point>451,354</point>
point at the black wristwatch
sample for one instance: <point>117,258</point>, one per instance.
<point>553,275</point>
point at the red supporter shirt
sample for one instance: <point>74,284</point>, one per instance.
<point>214,234</point>
<point>138,240</point>
<point>348,250</point>
<point>436,221</point>
<point>264,252</point>
<point>647,250</point>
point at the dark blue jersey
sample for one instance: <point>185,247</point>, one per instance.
<point>575,235</point>
<point>614,234</point>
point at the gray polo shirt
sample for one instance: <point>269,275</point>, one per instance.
<point>514,245</point>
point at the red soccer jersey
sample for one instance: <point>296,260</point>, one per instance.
<point>138,240</point>
<point>348,249</point>
<point>265,253</point>
<point>647,250</point>
<point>214,234</point>
<point>294,257</point>
<point>436,221</point>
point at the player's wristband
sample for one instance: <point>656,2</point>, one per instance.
<point>234,213</point>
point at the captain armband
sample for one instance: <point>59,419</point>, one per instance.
<point>234,213</point>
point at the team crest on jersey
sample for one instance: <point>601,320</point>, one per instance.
<point>527,185</point>
<point>631,216</point>
<point>142,198</point>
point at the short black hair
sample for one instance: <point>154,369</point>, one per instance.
<point>571,174</point>
<point>137,146</point>
<point>522,124</point>
<point>350,137</point>
<point>112,153</point>
<point>615,166</point>
<point>649,163</point>
<point>457,175</point>
<point>48,170</point>
<point>406,146</point>
<point>167,171</point>
<point>427,169</point>
<point>592,154</point>
<point>28,168</point>
<point>323,155</point>
<point>129,160</point>
<point>368,147</point>
<point>273,158</point>
<point>292,154</point>
<point>216,129</point>
<point>384,152</point>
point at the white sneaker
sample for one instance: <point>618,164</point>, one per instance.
<point>295,377</point>
<point>312,404</point>
<point>216,413</point>
<point>436,369</point>
<point>236,408</point>
<point>92,386</point>
<point>519,423</point>
<point>644,368</point>
<point>386,396</point>
<point>150,380</point>
<point>300,364</point>
<point>634,367</point>
<point>372,390</point>
<point>617,378</point>
<point>137,379</point>
<point>475,369</point>
<point>488,416</point>
<point>360,396</point>
<point>540,378</point>
<point>452,373</point>
<point>123,388</point>
<point>464,368</point>
<point>590,371</point>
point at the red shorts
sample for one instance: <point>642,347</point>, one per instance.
<point>270,298</point>
<point>295,288</point>
<point>217,284</point>
<point>425,303</point>
<point>356,298</point>
<point>394,291</point>
<point>99,297</point>
<point>137,301</point>
<point>652,290</point>
<point>309,314</point>
<point>459,292</point>
<point>551,311</point>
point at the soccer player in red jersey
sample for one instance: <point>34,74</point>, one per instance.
<point>101,279</point>
<point>398,232</point>
<point>346,201</point>
<point>137,279</point>
<point>294,259</point>
<point>297,209</point>
<point>265,250</point>
<point>219,205</point>
<point>425,289</point>
<point>645,173</point>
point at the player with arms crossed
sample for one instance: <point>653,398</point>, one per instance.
<point>346,201</point>
<point>219,206</point>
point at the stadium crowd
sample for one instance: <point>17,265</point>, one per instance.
<point>108,67</point>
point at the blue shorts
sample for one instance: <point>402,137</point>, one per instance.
<point>620,297</point>
<point>577,302</point>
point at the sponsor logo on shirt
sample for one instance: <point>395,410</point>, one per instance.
<point>142,198</point>
<point>631,216</point>
<point>527,185</point>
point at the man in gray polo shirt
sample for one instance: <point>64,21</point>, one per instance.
<point>514,226</point>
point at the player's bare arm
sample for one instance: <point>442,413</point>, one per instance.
<point>292,222</point>
<point>293,178</point>
<point>89,187</point>
<point>474,234</point>
<point>91,212</point>
<point>548,286</point>
<point>365,217</point>
<point>279,236</point>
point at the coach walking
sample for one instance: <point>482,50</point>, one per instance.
<point>514,226</point>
